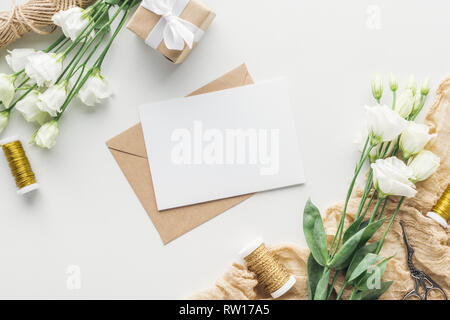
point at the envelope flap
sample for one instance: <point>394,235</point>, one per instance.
<point>235,78</point>
<point>130,141</point>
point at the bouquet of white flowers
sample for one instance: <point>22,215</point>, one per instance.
<point>45,82</point>
<point>394,146</point>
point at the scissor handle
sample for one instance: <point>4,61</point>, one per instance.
<point>412,293</point>
<point>433,286</point>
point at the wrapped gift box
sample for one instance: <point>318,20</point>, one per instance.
<point>144,22</point>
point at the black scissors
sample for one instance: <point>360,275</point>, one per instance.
<point>421,279</point>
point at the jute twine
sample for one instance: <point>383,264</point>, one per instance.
<point>33,15</point>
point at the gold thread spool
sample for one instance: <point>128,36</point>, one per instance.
<point>19,165</point>
<point>271,274</point>
<point>441,211</point>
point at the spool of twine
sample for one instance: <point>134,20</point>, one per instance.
<point>19,164</point>
<point>441,211</point>
<point>271,274</point>
<point>34,15</point>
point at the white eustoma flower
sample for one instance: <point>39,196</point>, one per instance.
<point>4,118</point>
<point>7,89</point>
<point>72,21</point>
<point>44,68</point>
<point>391,177</point>
<point>46,136</point>
<point>423,165</point>
<point>29,109</point>
<point>52,99</point>
<point>95,90</point>
<point>414,138</point>
<point>384,124</point>
<point>404,104</point>
<point>18,58</point>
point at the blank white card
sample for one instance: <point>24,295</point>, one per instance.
<point>222,144</point>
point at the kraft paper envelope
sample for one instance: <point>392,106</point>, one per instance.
<point>128,148</point>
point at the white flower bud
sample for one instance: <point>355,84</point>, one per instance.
<point>95,90</point>
<point>72,21</point>
<point>29,109</point>
<point>377,87</point>
<point>412,84</point>
<point>423,165</point>
<point>17,59</point>
<point>7,89</point>
<point>417,104</point>
<point>46,136</point>
<point>404,104</point>
<point>52,99</point>
<point>425,86</point>
<point>414,138</point>
<point>44,68</point>
<point>4,118</point>
<point>393,84</point>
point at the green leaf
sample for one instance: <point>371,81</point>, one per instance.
<point>366,262</point>
<point>315,272</point>
<point>359,256</point>
<point>370,230</point>
<point>112,2</point>
<point>352,229</point>
<point>102,20</point>
<point>322,286</point>
<point>372,275</point>
<point>373,294</point>
<point>315,233</point>
<point>341,259</point>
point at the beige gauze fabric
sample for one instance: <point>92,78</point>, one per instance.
<point>429,240</point>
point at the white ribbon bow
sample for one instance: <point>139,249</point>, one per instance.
<point>171,28</point>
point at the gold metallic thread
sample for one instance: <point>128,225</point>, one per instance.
<point>271,274</point>
<point>442,207</point>
<point>19,164</point>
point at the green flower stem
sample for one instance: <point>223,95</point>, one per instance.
<point>422,103</point>
<point>394,99</point>
<point>62,44</point>
<point>344,285</point>
<point>89,27</point>
<point>55,44</point>
<point>101,31</point>
<point>22,96</point>
<point>332,284</point>
<point>368,204</point>
<point>380,244</point>
<point>338,235</point>
<point>77,54</point>
<point>81,82</point>
<point>375,209</point>
<point>116,32</point>
<point>366,192</point>
<point>382,208</point>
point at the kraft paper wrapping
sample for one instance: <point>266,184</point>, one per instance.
<point>143,21</point>
<point>429,240</point>
<point>128,148</point>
